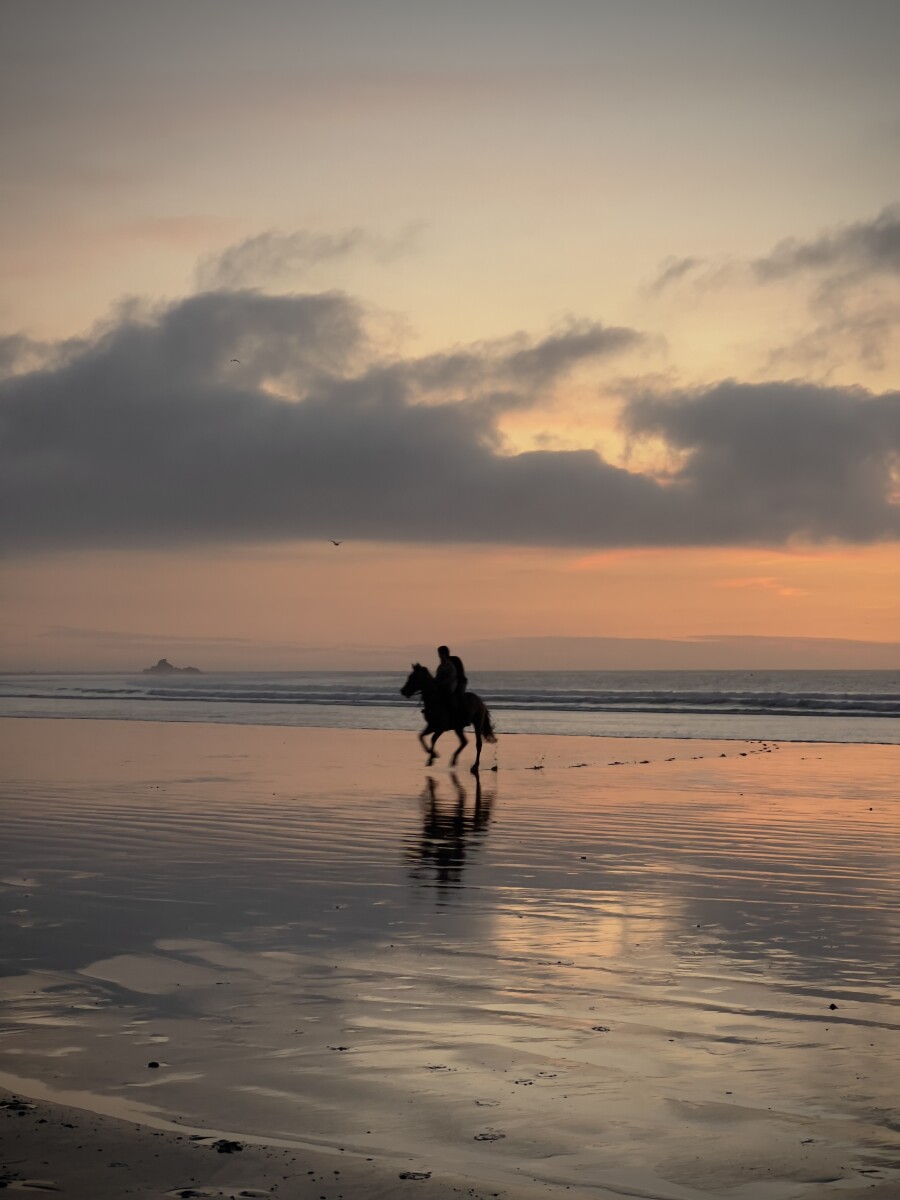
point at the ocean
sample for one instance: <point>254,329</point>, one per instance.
<point>798,706</point>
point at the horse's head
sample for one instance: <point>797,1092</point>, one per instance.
<point>418,678</point>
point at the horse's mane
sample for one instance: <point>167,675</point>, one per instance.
<point>420,667</point>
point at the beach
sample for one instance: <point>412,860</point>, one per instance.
<point>258,961</point>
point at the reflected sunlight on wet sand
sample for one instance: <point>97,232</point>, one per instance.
<point>611,968</point>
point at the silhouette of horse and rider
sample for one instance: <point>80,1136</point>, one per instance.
<point>448,704</point>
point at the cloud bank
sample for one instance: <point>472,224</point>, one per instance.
<point>149,434</point>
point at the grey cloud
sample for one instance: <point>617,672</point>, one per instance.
<point>20,353</point>
<point>856,303</point>
<point>782,460</point>
<point>16,351</point>
<point>869,246</point>
<point>560,352</point>
<point>860,329</point>
<point>272,256</point>
<point>149,435</point>
<point>519,364</point>
<point>673,270</point>
<point>847,253</point>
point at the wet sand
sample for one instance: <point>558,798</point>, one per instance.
<point>616,968</point>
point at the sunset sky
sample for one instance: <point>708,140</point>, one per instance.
<point>570,321</point>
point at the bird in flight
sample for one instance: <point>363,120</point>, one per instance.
<point>334,543</point>
<point>237,360</point>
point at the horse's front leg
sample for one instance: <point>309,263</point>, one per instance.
<point>432,753</point>
<point>425,731</point>
<point>463,742</point>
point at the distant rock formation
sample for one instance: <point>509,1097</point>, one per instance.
<point>164,667</point>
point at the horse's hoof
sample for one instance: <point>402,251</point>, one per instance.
<point>476,769</point>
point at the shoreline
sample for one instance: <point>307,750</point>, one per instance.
<point>534,733</point>
<point>52,1147</point>
<point>610,967</point>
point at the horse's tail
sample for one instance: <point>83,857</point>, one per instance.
<point>487,731</point>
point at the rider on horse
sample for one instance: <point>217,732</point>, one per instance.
<point>447,704</point>
<point>451,679</point>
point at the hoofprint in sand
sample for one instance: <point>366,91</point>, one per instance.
<point>643,968</point>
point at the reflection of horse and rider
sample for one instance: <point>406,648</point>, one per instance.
<point>447,703</point>
<point>449,834</point>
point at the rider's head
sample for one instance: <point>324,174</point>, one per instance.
<point>443,652</point>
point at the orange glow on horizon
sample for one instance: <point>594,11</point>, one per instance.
<point>277,604</point>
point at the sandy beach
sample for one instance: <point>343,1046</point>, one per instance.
<point>295,963</point>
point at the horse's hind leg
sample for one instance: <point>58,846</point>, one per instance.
<point>477,762</point>
<point>463,742</point>
<point>432,753</point>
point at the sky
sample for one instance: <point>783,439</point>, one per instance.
<point>575,324</point>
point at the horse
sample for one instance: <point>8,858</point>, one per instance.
<point>441,716</point>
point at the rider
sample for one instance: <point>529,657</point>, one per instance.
<point>450,677</point>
